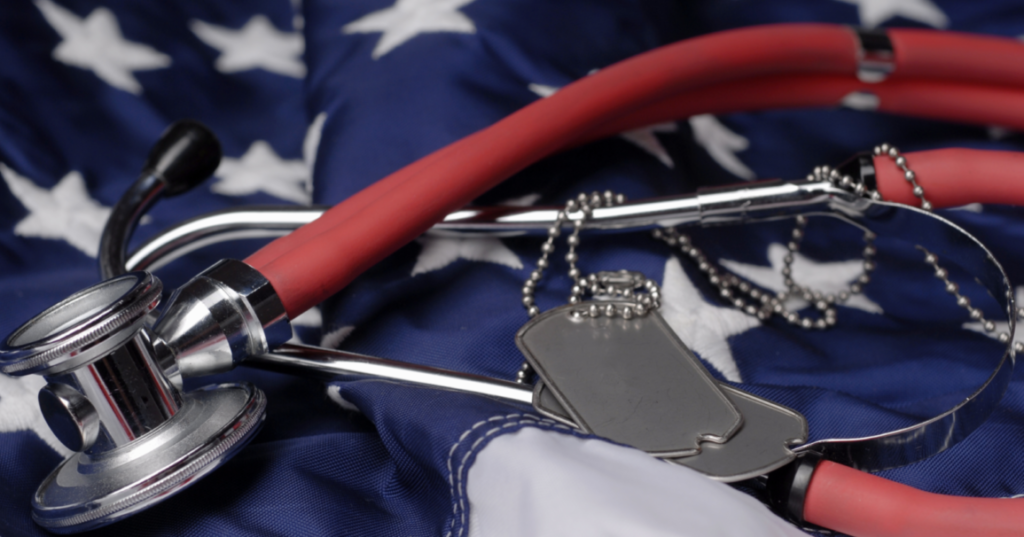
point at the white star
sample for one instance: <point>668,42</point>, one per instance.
<point>1003,326</point>
<point>311,144</point>
<point>333,339</point>
<point>311,318</point>
<point>825,277</point>
<point>96,43</point>
<point>261,170</point>
<point>861,100</point>
<point>875,12</point>
<point>258,45</point>
<point>19,409</point>
<point>334,394</point>
<point>703,327</point>
<point>644,137</point>
<point>721,144</point>
<point>995,132</point>
<point>521,201</point>
<point>970,208</point>
<point>544,90</point>
<point>409,18</point>
<point>65,212</point>
<point>439,251</point>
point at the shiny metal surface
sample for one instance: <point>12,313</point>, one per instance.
<point>255,222</point>
<point>70,416</point>
<point>94,346</point>
<point>138,440</point>
<point>326,364</point>
<point>124,218</point>
<point>82,328</point>
<point>746,203</point>
<point>764,199</point>
<point>90,490</point>
<point>225,314</point>
<point>955,247</point>
<point>760,446</point>
<point>631,381</point>
<point>876,57</point>
<point>764,443</point>
<point>130,395</point>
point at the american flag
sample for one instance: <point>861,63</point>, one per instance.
<point>314,100</point>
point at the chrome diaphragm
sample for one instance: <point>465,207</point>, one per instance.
<point>137,438</point>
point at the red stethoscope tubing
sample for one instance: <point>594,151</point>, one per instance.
<point>953,177</point>
<point>483,159</point>
<point>965,103</point>
<point>398,208</point>
<point>928,99</point>
<point>745,69</point>
<point>857,503</point>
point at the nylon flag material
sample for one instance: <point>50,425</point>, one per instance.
<point>314,100</point>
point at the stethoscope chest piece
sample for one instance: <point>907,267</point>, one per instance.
<point>138,439</point>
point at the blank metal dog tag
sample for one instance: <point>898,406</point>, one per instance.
<point>631,381</point>
<point>760,446</point>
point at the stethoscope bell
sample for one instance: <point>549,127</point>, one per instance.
<point>138,438</point>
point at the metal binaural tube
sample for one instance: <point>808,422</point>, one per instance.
<point>326,364</point>
<point>184,156</point>
<point>746,202</point>
<point>124,218</point>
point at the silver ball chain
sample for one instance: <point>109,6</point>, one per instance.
<point>832,175</point>
<point>730,286</point>
<point>763,304</point>
<point>741,294</point>
<point>941,273</point>
<point>908,174</point>
<point>641,294</point>
<point>635,295</point>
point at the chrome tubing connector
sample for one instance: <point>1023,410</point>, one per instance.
<point>219,318</point>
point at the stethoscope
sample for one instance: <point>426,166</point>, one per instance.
<point>114,394</point>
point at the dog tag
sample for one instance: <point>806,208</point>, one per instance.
<point>760,446</point>
<point>628,380</point>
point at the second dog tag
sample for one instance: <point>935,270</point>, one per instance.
<point>761,445</point>
<point>629,380</point>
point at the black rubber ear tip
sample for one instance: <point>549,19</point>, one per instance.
<point>184,156</point>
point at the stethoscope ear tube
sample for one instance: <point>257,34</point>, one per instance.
<point>400,207</point>
<point>815,494</point>
<point>403,205</point>
<point>858,503</point>
<point>185,155</point>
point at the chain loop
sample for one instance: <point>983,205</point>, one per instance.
<point>764,304</point>
<point>940,272</point>
<point>617,294</point>
<point>908,174</point>
<point>741,294</point>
